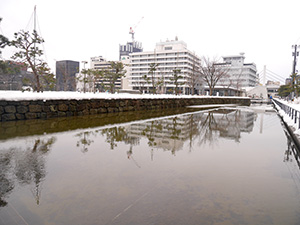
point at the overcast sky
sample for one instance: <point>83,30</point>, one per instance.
<point>264,30</point>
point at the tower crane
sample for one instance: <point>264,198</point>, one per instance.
<point>132,30</point>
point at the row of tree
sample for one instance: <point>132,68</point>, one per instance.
<point>103,79</point>
<point>292,89</point>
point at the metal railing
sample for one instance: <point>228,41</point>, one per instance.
<point>291,112</point>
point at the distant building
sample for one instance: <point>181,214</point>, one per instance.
<point>288,81</point>
<point>272,88</point>
<point>168,56</point>
<point>16,76</point>
<point>130,47</point>
<point>125,83</point>
<point>258,92</point>
<point>99,63</point>
<point>66,75</point>
<point>240,74</point>
<point>270,82</point>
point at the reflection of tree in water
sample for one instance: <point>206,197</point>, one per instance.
<point>175,130</point>
<point>28,167</point>
<point>206,134</point>
<point>85,140</point>
<point>114,135</point>
<point>193,130</point>
<point>6,183</point>
<point>150,132</point>
<point>171,133</point>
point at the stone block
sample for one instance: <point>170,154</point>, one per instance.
<point>10,109</point>
<point>63,107</point>
<point>35,108</point>
<point>22,109</point>
<point>81,107</point>
<point>72,108</point>
<point>9,116</point>
<point>102,110</point>
<point>95,104</point>
<point>85,112</point>
<point>43,115</point>
<point>24,103</point>
<point>3,103</point>
<point>61,114</point>
<point>20,116</point>
<point>31,115</point>
<point>93,111</point>
<point>69,113</point>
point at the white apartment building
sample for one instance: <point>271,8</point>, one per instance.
<point>240,74</point>
<point>168,56</point>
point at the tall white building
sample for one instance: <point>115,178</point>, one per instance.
<point>240,74</point>
<point>169,56</point>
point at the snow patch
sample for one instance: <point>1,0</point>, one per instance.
<point>64,95</point>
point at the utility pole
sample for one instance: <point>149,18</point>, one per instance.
<point>84,79</point>
<point>295,54</point>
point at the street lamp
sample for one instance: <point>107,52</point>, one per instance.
<point>84,62</point>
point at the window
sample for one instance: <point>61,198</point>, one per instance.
<point>168,48</point>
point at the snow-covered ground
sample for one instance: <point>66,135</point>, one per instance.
<point>287,119</point>
<point>48,95</point>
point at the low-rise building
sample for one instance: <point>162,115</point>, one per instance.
<point>101,83</point>
<point>240,74</point>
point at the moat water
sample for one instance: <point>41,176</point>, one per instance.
<point>208,166</point>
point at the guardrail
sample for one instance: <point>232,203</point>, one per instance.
<point>291,112</point>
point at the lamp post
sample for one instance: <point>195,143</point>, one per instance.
<point>84,81</point>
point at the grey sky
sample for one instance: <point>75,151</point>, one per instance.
<point>77,30</point>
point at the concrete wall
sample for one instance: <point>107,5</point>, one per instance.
<point>23,110</point>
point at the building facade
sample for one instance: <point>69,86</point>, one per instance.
<point>66,75</point>
<point>130,47</point>
<point>168,56</point>
<point>240,74</point>
<point>102,84</point>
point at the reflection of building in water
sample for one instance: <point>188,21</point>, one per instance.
<point>169,134</point>
<point>231,122</point>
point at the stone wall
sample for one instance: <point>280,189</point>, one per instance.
<point>42,109</point>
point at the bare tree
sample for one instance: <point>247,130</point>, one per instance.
<point>194,77</point>
<point>211,71</point>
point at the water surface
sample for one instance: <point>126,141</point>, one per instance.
<point>225,166</point>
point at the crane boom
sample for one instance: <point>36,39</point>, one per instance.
<point>132,30</point>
